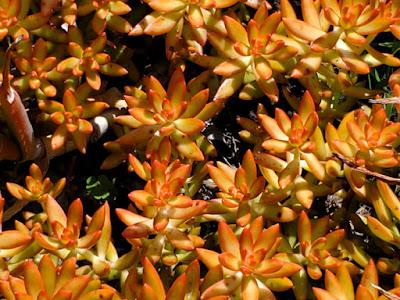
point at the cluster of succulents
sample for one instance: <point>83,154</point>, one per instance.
<point>324,127</point>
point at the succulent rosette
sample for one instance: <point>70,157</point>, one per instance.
<point>238,188</point>
<point>71,117</point>
<point>296,144</point>
<point>166,211</point>
<point>366,139</point>
<point>89,60</point>
<point>301,208</point>
<point>181,19</point>
<point>15,21</point>
<point>247,266</point>
<point>49,281</point>
<point>37,186</point>
<point>179,114</point>
<point>340,32</point>
<point>64,231</point>
<point>107,13</point>
<point>250,56</point>
<point>318,249</point>
<point>37,68</point>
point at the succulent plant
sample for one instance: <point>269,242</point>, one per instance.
<point>49,281</point>
<point>318,248</point>
<point>35,66</point>
<point>251,56</point>
<point>185,286</point>
<point>185,20</point>
<point>37,187</point>
<point>365,137</point>
<point>166,211</point>
<point>294,145</point>
<point>238,187</point>
<point>168,13</point>
<point>178,113</point>
<point>347,45</point>
<point>316,192</point>
<point>88,60</point>
<point>64,230</point>
<point>15,21</point>
<point>247,267</point>
<point>107,13</point>
<point>71,117</point>
<point>341,285</point>
<point>295,133</point>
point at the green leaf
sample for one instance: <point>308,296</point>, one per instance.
<point>100,188</point>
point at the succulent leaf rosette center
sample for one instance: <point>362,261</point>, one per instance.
<point>248,263</point>
<point>37,187</point>
<point>36,68</point>
<point>295,133</point>
<point>366,139</point>
<point>89,60</point>
<point>71,117</point>
<point>166,210</point>
<point>178,114</point>
<point>65,228</point>
<point>161,198</point>
<point>239,187</point>
<point>249,54</point>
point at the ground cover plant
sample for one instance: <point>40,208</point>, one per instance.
<point>199,149</point>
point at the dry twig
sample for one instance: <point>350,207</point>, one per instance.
<point>354,166</point>
<point>391,100</point>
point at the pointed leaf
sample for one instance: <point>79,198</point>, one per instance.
<point>236,31</point>
<point>302,30</point>
<point>177,291</point>
<point>33,279</point>
<point>10,239</point>
<point>151,277</point>
<point>55,212</point>
<point>227,239</point>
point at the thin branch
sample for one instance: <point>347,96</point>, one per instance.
<point>351,164</point>
<point>392,100</point>
<point>385,293</point>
